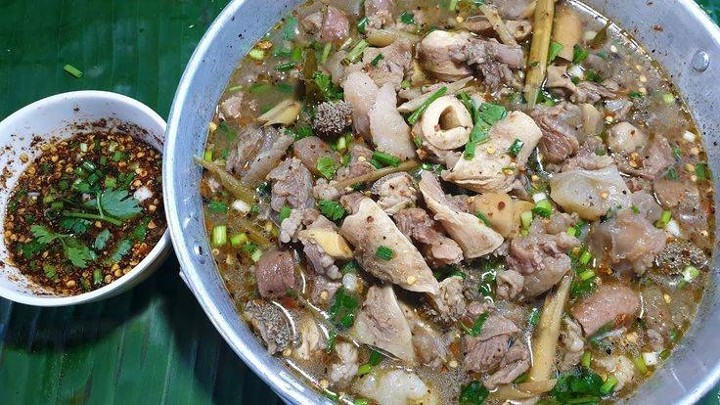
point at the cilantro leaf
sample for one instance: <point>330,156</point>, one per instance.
<point>101,239</point>
<point>473,393</point>
<point>116,203</point>
<point>328,89</point>
<point>327,167</point>
<point>583,384</point>
<point>331,209</point>
<point>43,235</point>
<point>122,248</point>
<point>78,254</point>
<point>75,225</point>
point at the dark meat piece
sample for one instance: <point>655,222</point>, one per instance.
<point>396,62</point>
<point>309,150</point>
<point>332,118</point>
<point>510,284</point>
<point>683,198</point>
<point>559,140</point>
<point>495,61</point>
<point>275,273</point>
<point>497,352</point>
<point>540,257</point>
<point>650,162</point>
<point>592,155</point>
<point>329,25</point>
<point>626,241</point>
<point>613,304</point>
<point>256,153</point>
<point>591,92</point>
<point>379,12</point>
<point>271,323</point>
<point>292,185</point>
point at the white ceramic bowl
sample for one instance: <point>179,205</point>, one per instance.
<point>50,118</point>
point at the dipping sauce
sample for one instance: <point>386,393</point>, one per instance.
<point>88,210</point>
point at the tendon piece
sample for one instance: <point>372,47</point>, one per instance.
<point>371,230</point>
<point>361,92</point>
<point>381,323</point>
<point>388,129</point>
<point>493,168</point>
<point>474,237</point>
<point>539,48</point>
<point>590,193</point>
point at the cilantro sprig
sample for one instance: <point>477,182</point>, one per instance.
<point>74,250</point>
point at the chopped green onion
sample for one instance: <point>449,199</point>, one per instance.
<point>357,51</point>
<point>297,55</point>
<point>362,25</point>
<point>325,53</point>
<point>640,364</point>
<point>415,116</point>
<point>284,214</point>
<point>701,171</point>
<point>555,48</point>
<point>477,326</point>
<point>284,67</point>
<point>364,369</point>
<point>635,209</point>
<point>234,89</point>
<point>635,94</point>
<point>483,218</point>
<point>452,5</point>
<point>238,240</point>
<point>587,275</point>
<point>73,71</point>
<point>668,98</point>
<point>384,253</point>
<point>543,208</point>
<point>83,147</point>
<point>672,174</point>
<point>405,84</point>
<point>585,257</point>
<point>377,59</point>
<point>407,18</point>
<point>361,401</point>
<point>386,159</point>
<point>572,231</point>
<point>664,219</point>
<point>526,219</point>
<point>219,235</point>
<point>580,54</point>
<point>516,147</point>
<point>609,385</point>
<point>257,54</point>
<point>593,76</point>
<point>256,255</point>
<point>97,277</point>
<point>333,210</point>
<point>208,155</point>
<point>690,273</point>
<point>586,358</point>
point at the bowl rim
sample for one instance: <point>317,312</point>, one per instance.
<point>158,252</point>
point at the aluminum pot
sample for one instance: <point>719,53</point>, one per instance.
<point>677,32</point>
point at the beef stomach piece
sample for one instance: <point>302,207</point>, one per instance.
<point>610,304</point>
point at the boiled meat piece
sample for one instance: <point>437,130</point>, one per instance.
<point>369,228</point>
<point>381,323</point>
<point>474,237</point>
